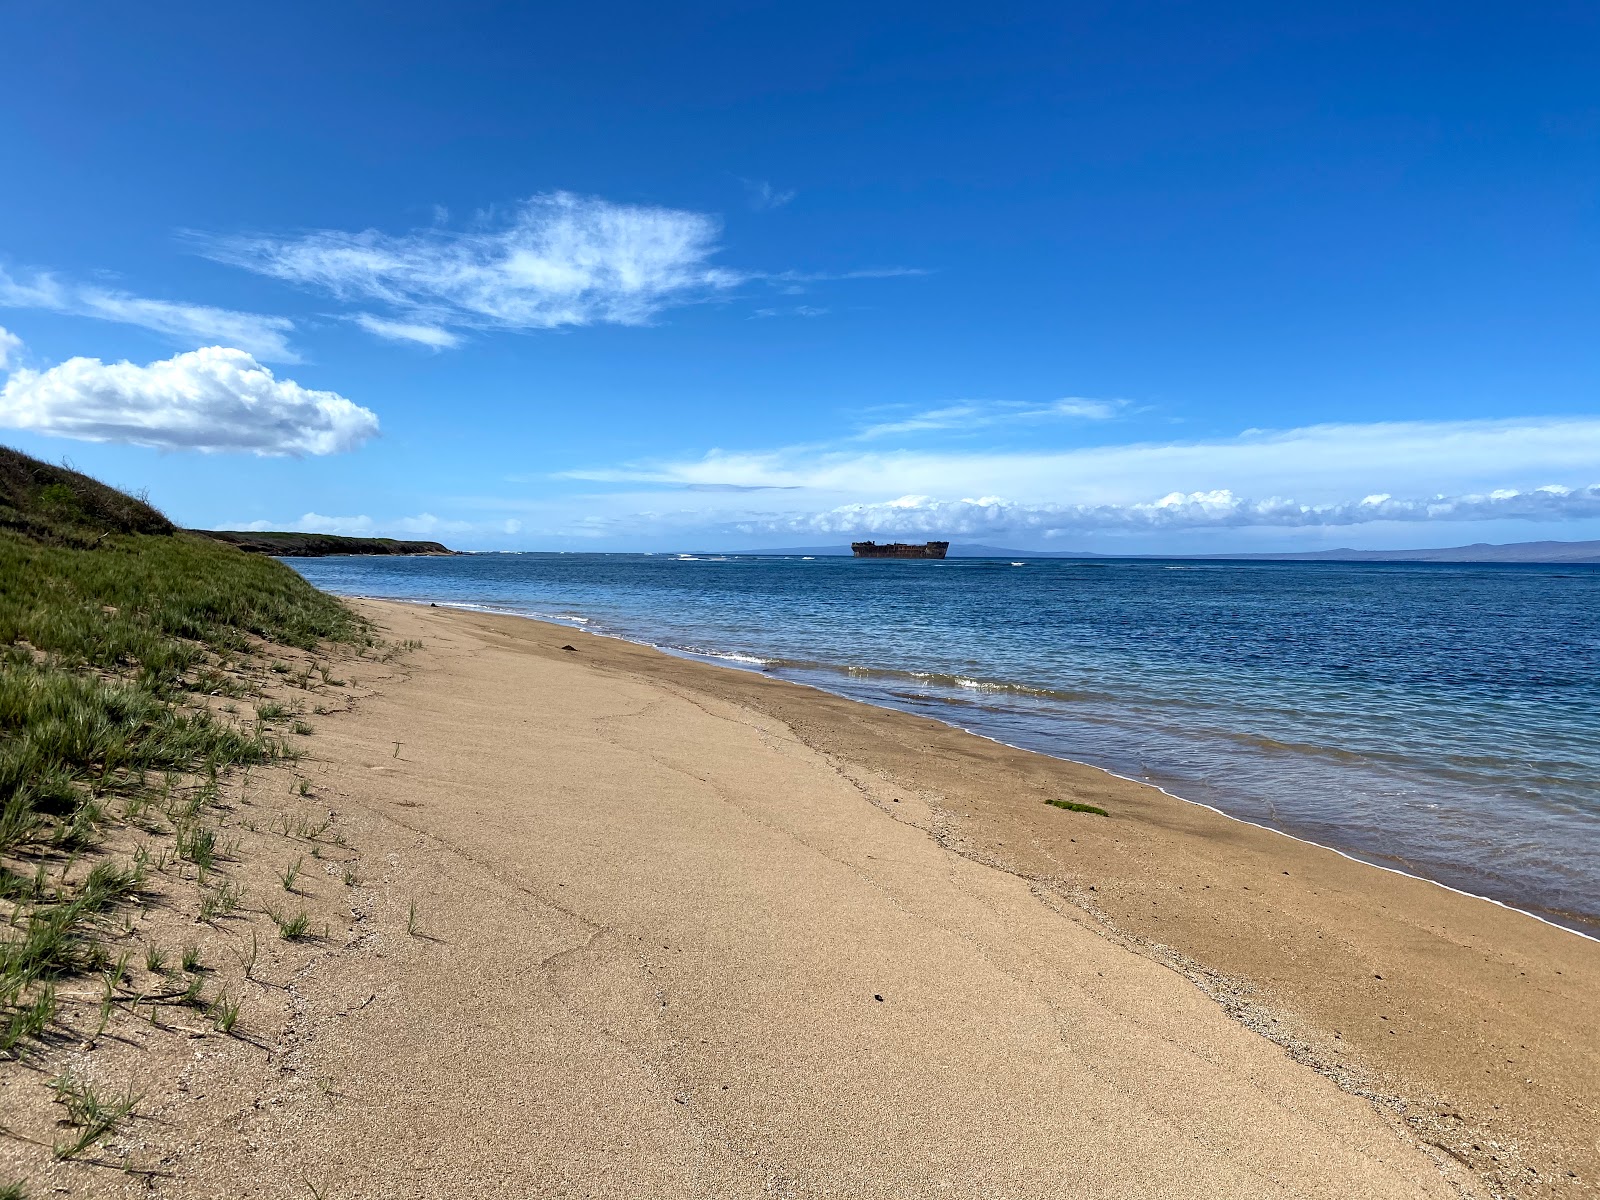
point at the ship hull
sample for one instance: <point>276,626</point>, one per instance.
<point>899,550</point>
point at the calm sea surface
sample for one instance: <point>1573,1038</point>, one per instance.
<point>1441,719</point>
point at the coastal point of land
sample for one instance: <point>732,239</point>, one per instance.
<point>632,925</point>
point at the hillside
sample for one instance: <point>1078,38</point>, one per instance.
<point>45,502</point>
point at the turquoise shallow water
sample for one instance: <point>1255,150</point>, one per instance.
<point>1441,719</point>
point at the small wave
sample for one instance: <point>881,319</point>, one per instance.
<point>724,655</point>
<point>925,698</point>
<point>941,679</point>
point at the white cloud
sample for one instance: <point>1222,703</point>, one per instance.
<point>408,331</point>
<point>763,195</point>
<point>1082,406</point>
<point>553,260</point>
<point>10,347</point>
<point>1318,464</point>
<point>423,525</point>
<point>263,336</point>
<point>973,414</point>
<point>917,516</point>
<point>213,399</point>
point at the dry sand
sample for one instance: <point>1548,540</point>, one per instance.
<point>685,931</point>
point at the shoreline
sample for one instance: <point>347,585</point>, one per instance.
<point>1464,1027</point>
<point>601,920</point>
<point>1581,925</point>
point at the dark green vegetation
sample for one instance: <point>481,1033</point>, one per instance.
<point>1074,806</point>
<point>115,629</point>
<point>317,545</point>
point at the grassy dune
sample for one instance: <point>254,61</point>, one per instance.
<point>124,644</point>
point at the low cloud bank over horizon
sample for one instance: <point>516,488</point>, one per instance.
<point>924,516</point>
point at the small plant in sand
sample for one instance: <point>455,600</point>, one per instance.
<point>411,919</point>
<point>291,928</point>
<point>87,1112</point>
<point>247,958</point>
<point>220,901</point>
<point>224,1012</point>
<point>198,844</point>
<point>292,873</point>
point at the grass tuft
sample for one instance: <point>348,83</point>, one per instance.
<point>291,928</point>
<point>92,1116</point>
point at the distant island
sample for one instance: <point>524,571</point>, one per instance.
<point>317,545</point>
<point>1478,552</point>
<point>1574,553</point>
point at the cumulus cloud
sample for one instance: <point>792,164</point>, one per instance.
<point>553,260</point>
<point>10,348</point>
<point>213,399</point>
<point>263,336</point>
<point>1221,509</point>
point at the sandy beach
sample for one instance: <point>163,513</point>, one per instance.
<point>629,925</point>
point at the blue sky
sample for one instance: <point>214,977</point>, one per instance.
<point>1145,277</point>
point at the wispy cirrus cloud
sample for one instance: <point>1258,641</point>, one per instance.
<point>763,196</point>
<point>265,337</point>
<point>423,334</point>
<point>553,260</point>
<point>971,415</point>
<point>212,399</point>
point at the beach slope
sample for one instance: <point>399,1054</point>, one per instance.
<point>665,943</point>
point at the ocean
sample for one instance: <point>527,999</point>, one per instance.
<point>1440,719</point>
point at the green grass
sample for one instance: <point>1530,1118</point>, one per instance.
<point>92,1116</point>
<point>224,1012</point>
<point>291,928</point>
<point>113,627</point>
<point>1074,806</point>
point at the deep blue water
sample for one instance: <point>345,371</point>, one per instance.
<point>1443,719</point>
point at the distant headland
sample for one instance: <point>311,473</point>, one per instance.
<point>317,545</point>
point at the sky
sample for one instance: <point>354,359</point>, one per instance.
<point>1119,277</point>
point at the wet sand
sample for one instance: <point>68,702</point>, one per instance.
<point>685,931</point>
